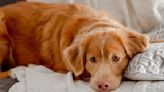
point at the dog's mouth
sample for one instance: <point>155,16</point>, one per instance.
<point>85,76</point>
<point>104,90</point>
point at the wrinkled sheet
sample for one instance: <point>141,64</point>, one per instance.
<point>41,79</point>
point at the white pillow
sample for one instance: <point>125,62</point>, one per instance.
<point>148,65</point>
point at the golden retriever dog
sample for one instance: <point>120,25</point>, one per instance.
<point>68,37</point>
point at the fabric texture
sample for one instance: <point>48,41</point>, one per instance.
<point>5,84</point>
<point>41,79</point>
<point>147,65</point>
<point>157,33</point>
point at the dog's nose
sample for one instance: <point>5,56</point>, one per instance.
<point>103,86</point>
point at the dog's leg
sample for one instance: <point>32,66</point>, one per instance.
<point>4,44</point>
<point>4,38</point>
<point>6,74</point>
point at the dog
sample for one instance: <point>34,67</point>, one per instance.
<point>68,37</point>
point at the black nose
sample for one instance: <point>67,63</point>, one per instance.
<point>103,86</point>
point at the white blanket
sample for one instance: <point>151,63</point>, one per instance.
<point>41,79</point>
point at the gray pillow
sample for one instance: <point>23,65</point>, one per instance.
<point>157,33</point>
<point>5,84</point>
<point>148,65</point>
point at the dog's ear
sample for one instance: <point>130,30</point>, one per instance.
<point>74,58</point>
<point>134,42</point>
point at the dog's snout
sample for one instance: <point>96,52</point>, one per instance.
<point>103,86</point>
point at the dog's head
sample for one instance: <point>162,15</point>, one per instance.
<point>104,54</point>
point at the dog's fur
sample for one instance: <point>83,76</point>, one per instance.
<point>68,37</point>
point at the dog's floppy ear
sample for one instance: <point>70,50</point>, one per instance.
<point>134,42</point>
<point>74,58</point>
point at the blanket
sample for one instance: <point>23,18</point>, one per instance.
<point>41,79</point>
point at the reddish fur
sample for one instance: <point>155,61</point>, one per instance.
<point>32,27</point>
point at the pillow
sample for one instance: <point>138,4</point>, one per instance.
<point>157,33</point>
<point>148,65</point>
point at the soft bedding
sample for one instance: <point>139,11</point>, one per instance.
<point>157,33</point>
<point>41,79</point>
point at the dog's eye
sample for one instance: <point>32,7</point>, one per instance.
<point>115,58</point>
<point>92,59</point>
